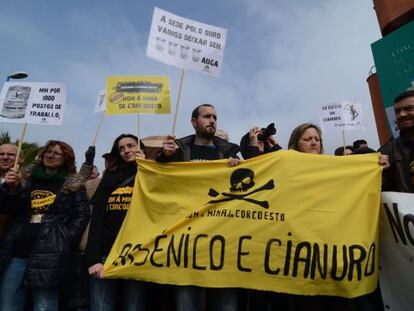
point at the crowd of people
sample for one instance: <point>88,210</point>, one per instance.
<point>58,225</point>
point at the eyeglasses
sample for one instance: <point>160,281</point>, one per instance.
<point>54,153</point>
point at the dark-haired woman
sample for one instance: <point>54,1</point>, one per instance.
<point>116,186</point>
<point>48,214</point>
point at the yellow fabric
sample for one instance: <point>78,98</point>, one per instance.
<point>317,202</point>
<point>137,94</point>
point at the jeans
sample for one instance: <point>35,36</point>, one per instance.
<point>133,295</point>
<point>222,299</point>
<point>190,298</point>
<point>13,293</point>
<point>187,298</point>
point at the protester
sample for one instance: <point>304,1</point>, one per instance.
<point>344,150</point>
<point>107,217</point>
<point>399,177</point>
<point>48,214</point>
<point>202,146</point>
<point>8,154</point>
<point>259,141</point>
<point>256,142</point>
<point>95,173</point>
<point>222,134</point>
<point>360,143</point>
<point>307,138</point>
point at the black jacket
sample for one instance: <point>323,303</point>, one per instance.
<point>398,176</point>
<point>225,150</point>
<point>58,237</point>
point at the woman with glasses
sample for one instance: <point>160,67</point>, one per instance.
<point>111,202</point>
<point>48,214</point>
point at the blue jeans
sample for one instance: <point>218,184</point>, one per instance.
<point>13,293</point>
<point>133,295</point>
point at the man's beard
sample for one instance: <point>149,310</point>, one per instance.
<point>206,134</point>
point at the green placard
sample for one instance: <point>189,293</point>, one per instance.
<point>394,61</point>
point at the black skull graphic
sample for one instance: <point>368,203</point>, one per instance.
<point>241,180</point>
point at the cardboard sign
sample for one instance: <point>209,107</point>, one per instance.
<point>100,102</point>
<point>187,44</point>
<point>137,94</point>
<point>341,116</point>
<point>33,102</point>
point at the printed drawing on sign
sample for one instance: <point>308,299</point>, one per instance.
<point>352,111</point>
<point>242,180</point>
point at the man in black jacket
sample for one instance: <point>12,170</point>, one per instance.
<point>399,176</point>
<point>203,146</point>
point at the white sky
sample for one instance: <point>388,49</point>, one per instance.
<point>283,60</point>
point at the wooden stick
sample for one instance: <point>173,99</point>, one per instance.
<point>178,100</point>
<point>138,132</point>
<point>101,116</point>
<point>343,140</point>
<point>19,148</point>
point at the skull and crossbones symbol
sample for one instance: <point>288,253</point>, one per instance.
<point>241,180</point>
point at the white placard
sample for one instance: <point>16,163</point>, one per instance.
<point>397,251</point>
<point>33,102</point>
<point>100,102</point>
<point>342,115</point>
<point>187,44</point>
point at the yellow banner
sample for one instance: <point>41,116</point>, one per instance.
<point>285,221</point>
<point>137,94</point>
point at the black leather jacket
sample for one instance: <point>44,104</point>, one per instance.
<point>59,235</point>
<point>398,176</point>
<point>225,150</point>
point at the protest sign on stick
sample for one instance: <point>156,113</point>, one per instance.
<point>19,148</point>
<point>343,116</point>
<point>185,43</point>
<point>99,108</point>
<point>33,102</point>
<point>177,104</point>
<point>137,94</point>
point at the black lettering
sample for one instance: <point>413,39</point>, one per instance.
<point>156,249</point>
<point>288,254</point>
<point>171,251</point>
<point>306,260</point>
<point>407,220</point>
<point>395,223</point>
<point>370,259</point>
<point>316,261</point>
<point>121,258</point>
<point>336,265</point>
<point>195,252</point>
<point>267,268</point>
<point>356,261</point>
<point>240,253</point>
<point>220,239</point>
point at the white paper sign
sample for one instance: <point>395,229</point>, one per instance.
<point>100,102</point>
<point>342,116</point>
<point>33,102</point>
<point>397,251</point>
<point>187,44</point>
